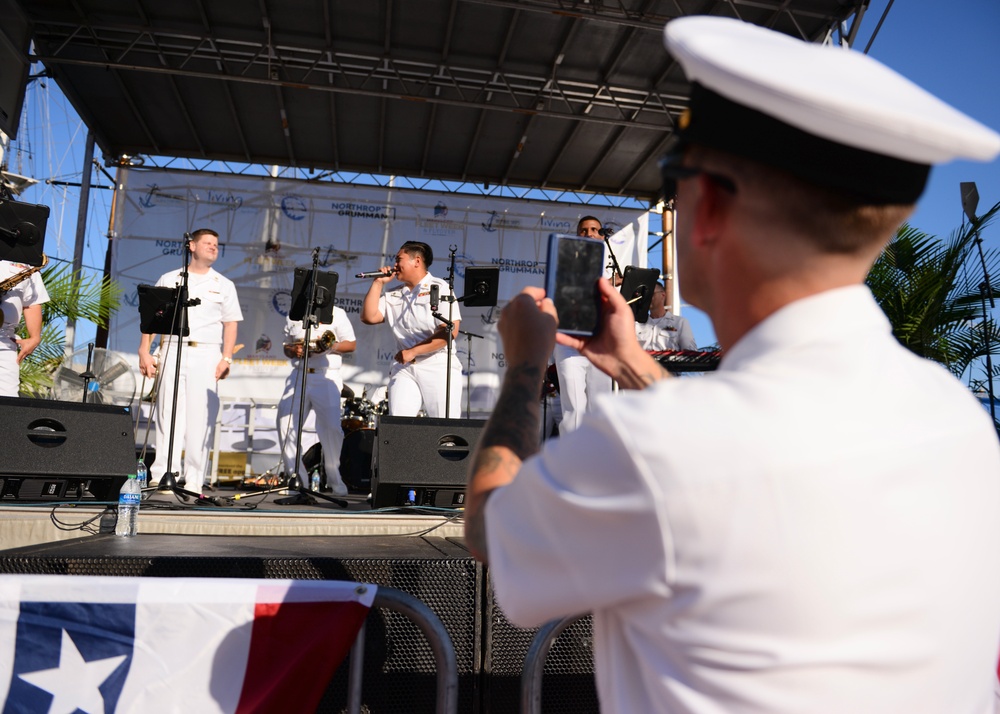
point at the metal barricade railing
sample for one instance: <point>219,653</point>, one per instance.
<point>534,662</point>
<point>423,617</point>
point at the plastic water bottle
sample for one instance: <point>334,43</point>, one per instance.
<point>314,482</point>
<point>128,507</point>
<point>142,473</point>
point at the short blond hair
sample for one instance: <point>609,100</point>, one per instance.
<point>833,221</point>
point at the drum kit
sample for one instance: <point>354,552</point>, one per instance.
<point>359,421</point>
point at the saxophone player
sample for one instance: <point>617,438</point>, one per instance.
<point>22,293</point>
<point>322,393</point>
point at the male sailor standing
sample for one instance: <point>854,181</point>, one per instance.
<point>205,359</point>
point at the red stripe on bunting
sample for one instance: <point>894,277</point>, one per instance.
<point>295,649</point>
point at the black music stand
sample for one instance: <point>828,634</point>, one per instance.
<point>637,288</point>
<point>22,231</point>
<point>481,287</point>
<point>313,294</point>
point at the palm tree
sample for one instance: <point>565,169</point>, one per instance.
<point>930,290</point>
<point>71,296</point>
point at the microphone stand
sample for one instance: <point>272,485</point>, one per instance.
<point>305,495</point>
<point>87,375</point>
<point>449,323</point>
<point>468,374</point>
<point>986,293</point>
<point>606,234</point>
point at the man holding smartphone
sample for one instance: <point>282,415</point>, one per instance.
<point>812,527</point>
<point>580,382</point>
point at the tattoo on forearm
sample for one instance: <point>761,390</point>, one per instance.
<point>515,422</point>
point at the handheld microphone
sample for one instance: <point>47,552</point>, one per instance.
<point>372,274</point>
<point>435,297</point>
<point>605,232</point>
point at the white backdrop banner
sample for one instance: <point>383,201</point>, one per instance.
<point>269,226</point>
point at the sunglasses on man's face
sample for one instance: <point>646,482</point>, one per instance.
<point>672,171</point>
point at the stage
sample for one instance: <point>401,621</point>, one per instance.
<point>29,524</point>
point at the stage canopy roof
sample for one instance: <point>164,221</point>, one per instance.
<point>558,94</point>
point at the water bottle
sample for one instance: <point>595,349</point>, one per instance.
<point>314,482</point>
<point>128,507</point>
<point>142,473</point>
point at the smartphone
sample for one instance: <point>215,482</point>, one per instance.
<point>574,266</point>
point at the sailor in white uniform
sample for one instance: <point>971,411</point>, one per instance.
<point>205,359</point>
<point>25,298</point>
<point>418,375</point>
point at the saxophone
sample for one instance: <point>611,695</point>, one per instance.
<point>10,283</point>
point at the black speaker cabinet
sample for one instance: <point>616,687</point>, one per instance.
<point>356,460</point>
<point>422,462</point>
<point>64,451</point>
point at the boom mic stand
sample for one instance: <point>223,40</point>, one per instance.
<point>316,297</point>
<point>606,234</point>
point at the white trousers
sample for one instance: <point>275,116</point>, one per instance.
<point>580,383</point>
<point>197,411</point>
<point>424,383</point>
<point>10,373</point>
<point>322,397</point>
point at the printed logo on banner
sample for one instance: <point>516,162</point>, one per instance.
<point>226,199</point>
<point>489,318</point>
<point>150,199</point>
<point>439,226</point>
<point>176,247</point>
<point>364,210</point>
<point>556,225</point>
<point>263,344</point>
<point>294,207</point>
<point>64,662</point>
<point>514,265</point>
<point>349,305</point>
<point>499,220</point>
<point>281,301</point>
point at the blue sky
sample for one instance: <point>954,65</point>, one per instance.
<point>949,48</point>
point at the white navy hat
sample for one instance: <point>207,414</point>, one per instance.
<point>831,116</point>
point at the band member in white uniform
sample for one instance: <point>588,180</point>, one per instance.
<point>664,330</point>
<point>25,299</point>
<point>205,359</point>
<point>322,397</point>
<point>580,382</point>
<point>418,374</point>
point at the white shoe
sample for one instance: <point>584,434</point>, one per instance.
<point>338,488</point>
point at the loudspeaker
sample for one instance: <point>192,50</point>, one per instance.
<point>356,460</point>
<point>422,462</point>
<point>64,451</point>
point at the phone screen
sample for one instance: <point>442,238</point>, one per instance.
<point>575,264</point>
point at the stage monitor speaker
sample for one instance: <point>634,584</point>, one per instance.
<point>422,461</point>
<point>64,451</point>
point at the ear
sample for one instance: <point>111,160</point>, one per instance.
<point>712,210</point>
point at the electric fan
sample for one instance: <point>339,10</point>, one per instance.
<point>111,382</point>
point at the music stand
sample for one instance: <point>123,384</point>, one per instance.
<point>481,285</point>
<point>22,231</point>
<point>313,295</point>
<point>637,288</point>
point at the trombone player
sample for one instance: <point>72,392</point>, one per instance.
<point>323,385</point>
